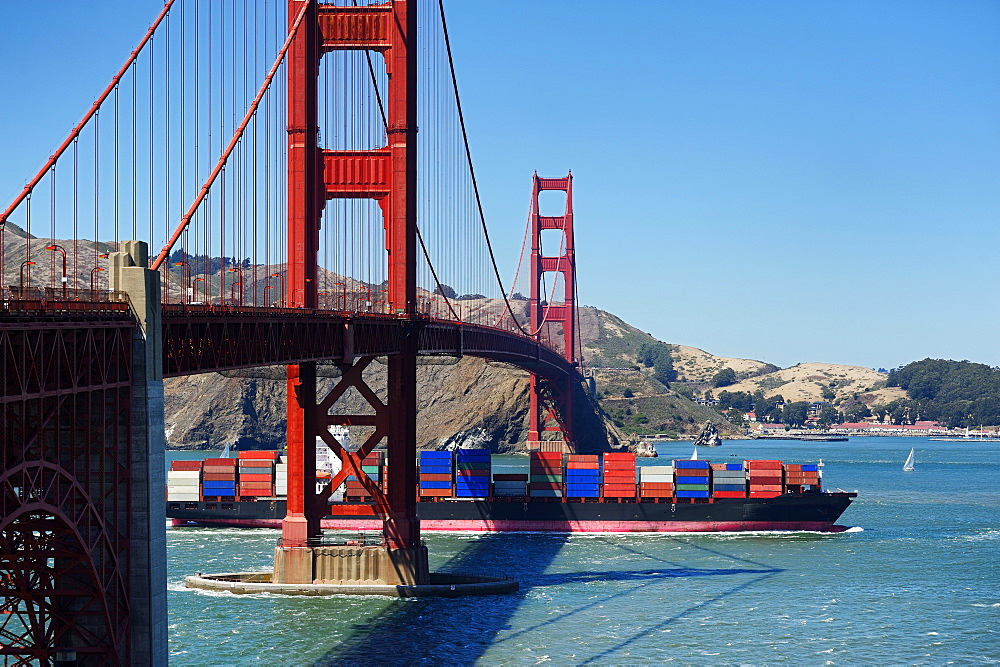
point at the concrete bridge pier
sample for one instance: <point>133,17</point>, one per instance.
<point>129,272</point>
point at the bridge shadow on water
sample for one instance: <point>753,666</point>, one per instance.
<point>559,596</point>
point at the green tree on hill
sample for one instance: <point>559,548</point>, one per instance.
<point>724,378</point>
<point>958,393</point>
<point>657,356</point>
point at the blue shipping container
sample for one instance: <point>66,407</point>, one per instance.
<point>692,480</point>
<point>734,466</point>
<point>435,485</point>
<point>688,463</point>
<point>692,494</point>
<point>435,455</point>
<point>729,487</point>
<point>810,467</point>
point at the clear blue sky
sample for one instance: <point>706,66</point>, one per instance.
<point>782,180</point>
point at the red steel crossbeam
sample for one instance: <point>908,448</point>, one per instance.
<point>552,399</point>
<point>388,175</point>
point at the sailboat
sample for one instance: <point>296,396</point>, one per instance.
<point>694,454</point>
<point>908,466</point>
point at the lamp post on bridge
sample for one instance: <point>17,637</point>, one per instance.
<point>55,247</point>
<point>186,269</point>
<point>267,299</point>
<point>282,278</point>
<point>93,279</point>
<point>343,294</point>
<point>202,279</point>
<point>232,287</point>
<point>26,264</point>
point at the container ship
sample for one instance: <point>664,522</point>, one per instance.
<point>459,491</point>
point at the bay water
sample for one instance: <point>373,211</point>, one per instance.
<point>916,579</point>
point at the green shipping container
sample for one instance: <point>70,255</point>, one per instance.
<point>691,487</point>
<point>546,478</point>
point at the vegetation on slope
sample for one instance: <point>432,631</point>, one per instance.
<point>957,393</point>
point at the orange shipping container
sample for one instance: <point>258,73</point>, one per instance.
<point>436,477</point>
<point>657,486</point>
<point>765,487</point>
<point>436,492</point>
<point>250,477</point>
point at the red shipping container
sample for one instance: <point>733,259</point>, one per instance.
<point>717,466</point>
<point>612,489</point>
<point>227,470</point>
<point>794,467</point>
<point>583,465</point>
<point>620,456</point>
<point>251,477</point>
<point>691,472</point>
<point>765,487</point>
<point>185,465</point>
<point>657,486</point>
<point>507,477</point>
<point>653,493</point>
<point>221,462</point>
<point>547,455</point>
<point>256,463</point>
<point>219,477</point>
<point>255,492</point>
<point>583,458</point>
<point>764,494</point>
<point>435,477</point>
<point>262,454</point>
<point>764,480</point>
<point>618,466</point>
<point>436,492</point>
<point>620,473</point>
<point>256,485</point>
<point>762,464</point>
<point>729,494</point>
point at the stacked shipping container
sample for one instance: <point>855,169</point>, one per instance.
<point>472,473</point>
<point>583,476</point>
<point>219,479</point>
<point>656,481</point>
<point>764,478</point>
<point>691,478</point>
<point>546,477</point>
<point>371,467</point>
<point>619,475</point>
<point>729,480</point>
<point>510,485</point>
<point>281,477</point>
<point>256,473</point>
<point>435,474</point>
<point>184,480</point>
<point>802,477</point>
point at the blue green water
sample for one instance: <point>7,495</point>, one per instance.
<point>917,580</point>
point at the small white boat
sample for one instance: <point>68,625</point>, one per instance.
<point>908,466</point>
<point>694,454</point>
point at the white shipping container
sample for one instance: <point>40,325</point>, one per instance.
<point>656,470</point>
<point>183,497</point>
<point>183,474</point>
<point>193,483</point>
<point>657,478</point>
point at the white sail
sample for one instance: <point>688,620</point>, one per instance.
<point>225,452</point>
<point>908,466</point>
<point>694,454</point>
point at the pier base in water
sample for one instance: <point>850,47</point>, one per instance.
<point>439,585</point>
<point>350,565</point>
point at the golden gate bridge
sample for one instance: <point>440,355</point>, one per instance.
<point>269,155</point>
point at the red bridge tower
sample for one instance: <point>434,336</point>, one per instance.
<point>547,313</point>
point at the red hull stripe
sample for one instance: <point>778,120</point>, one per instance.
<point>548,526</point>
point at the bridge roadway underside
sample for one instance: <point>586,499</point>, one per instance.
<point>206,339</point>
